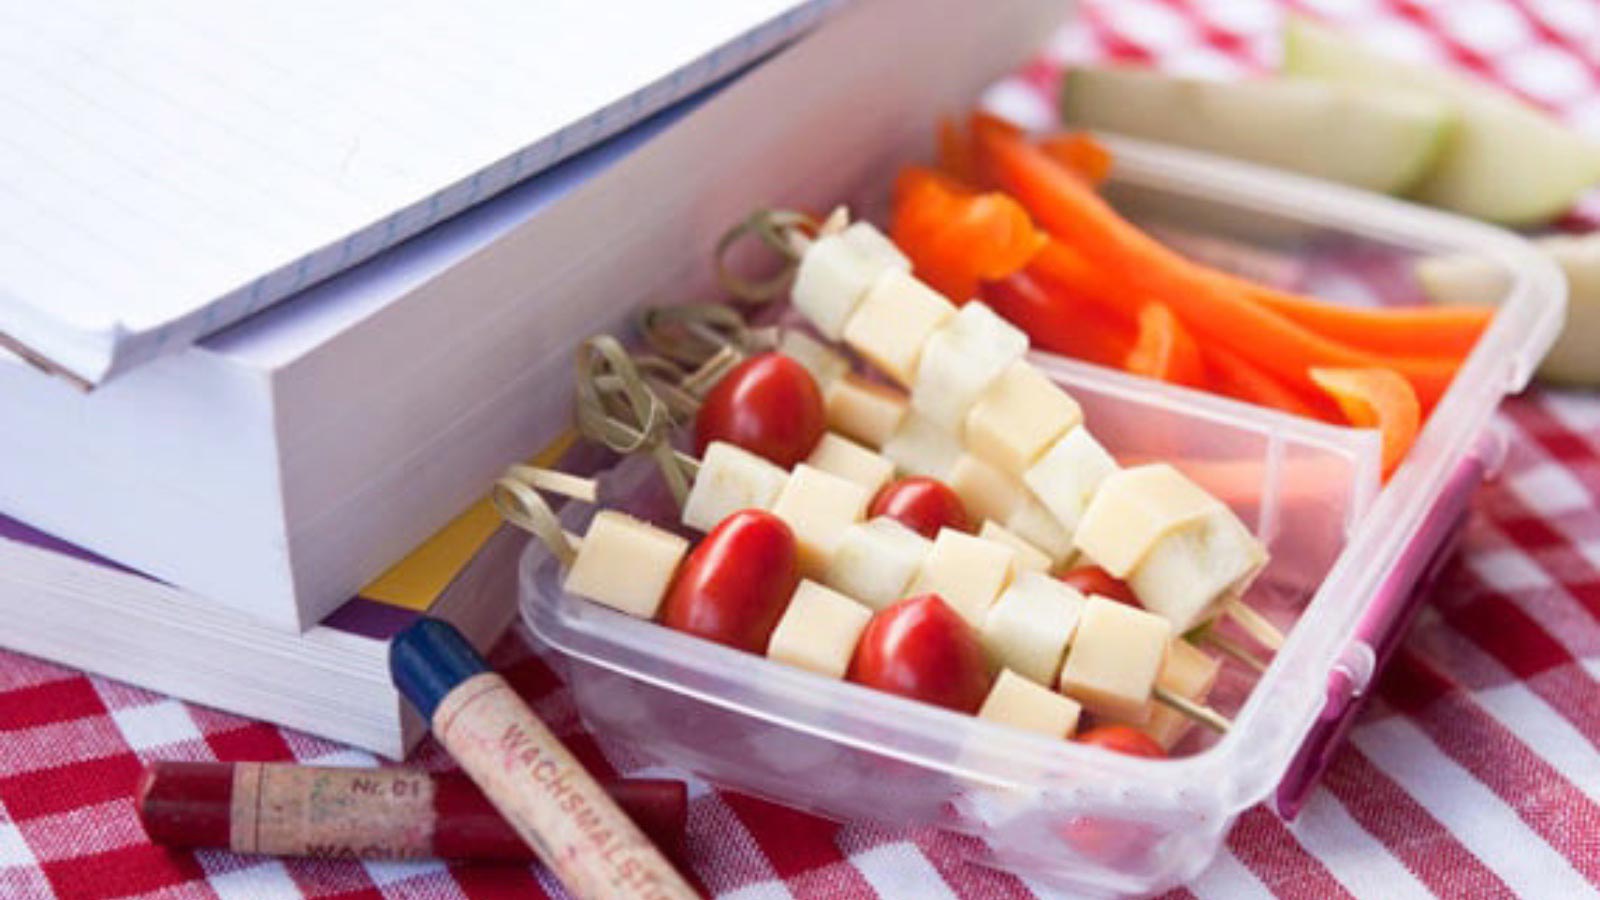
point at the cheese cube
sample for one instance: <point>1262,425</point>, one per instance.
<point>893,323</point>
<point>625,564</point>
<point>1033,523</point>
<point>876,560</point>
<point>1029,557</point>
<point>1189,673</point>
<point>1068,474</point>
<point>819,631</point>
<point>1196,565</point>
<point>1019,417</point>
<point>875,245</point>
<point>962,360</point>
<point>825,364</point>
<point>987,492</point>
<point>1133,509</point>
<point>818,506</point>
<point>919,447</point>
<point>833,277</point>
<point>731,478</point>
<point>848,459</point>
<point>1115,657</point>
<point>967,572</point>
<point>1030,627</point>
<point>864,411</point>
<point>1019,703</point>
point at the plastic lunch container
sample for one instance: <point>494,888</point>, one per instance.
<point>1350,557</point>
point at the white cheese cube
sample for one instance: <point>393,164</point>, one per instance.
<point>1019,703</point>
<point>818,506</point>
<point>967,572</point>
<point>1115,657</point>
<point>961,360</point>
<point>1019,417</point>
<point>731,478</point>
<point>1188,673</point>
<point>876,560</point>
<point>864,411</point>
<point>1030,627</point>
<point>1035,524</point>
<point>1132,510</point>
<point>919,447</point>
<point>825,364</point>
<point>875,245</point>
<point>987,492</point>
<point>893,323</point>
<point>819,631</point>
<point>1068,474</point>
<point>1195,565</point>
<point>1029,557</point>
<point>625,564</point>
<point>848,459</point>
<point>833,277</point>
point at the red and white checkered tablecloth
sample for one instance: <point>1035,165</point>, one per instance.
<point>1476,773</point>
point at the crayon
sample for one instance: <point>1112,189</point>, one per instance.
<point>282,809</point>
<point>548,798</point>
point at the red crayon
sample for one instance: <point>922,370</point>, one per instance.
<point>281,809</point>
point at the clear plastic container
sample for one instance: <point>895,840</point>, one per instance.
<point>1054,810</point>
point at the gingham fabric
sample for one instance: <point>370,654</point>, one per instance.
<point>1476,772</point>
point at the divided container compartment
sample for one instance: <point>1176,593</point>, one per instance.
<point>1346,551</point>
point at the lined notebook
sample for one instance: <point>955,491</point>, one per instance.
<point>169,167</point>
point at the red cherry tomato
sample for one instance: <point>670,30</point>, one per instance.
<point>1095,580</point>
<point>923,505</point>
<point>737,582</point>
<point>769,404</point>
<point>921,648</point>
<point>1123,739</point>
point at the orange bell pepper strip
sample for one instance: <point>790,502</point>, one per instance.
<point>1079,152</point>
<point>957,237</point>
<point>1164,350</point>
<point>1376,398</point>
<point>1234,376</point>
<point>955,152</point>
<point>1058,322</point>
<point>1446,331</point>
<point>1060,202</point>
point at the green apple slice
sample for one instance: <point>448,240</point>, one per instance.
<point>1506,161</point>
<point>1357,135</point>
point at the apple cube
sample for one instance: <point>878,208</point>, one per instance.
<point>987,492</point>
<point>1069,474</point>
<point>961,360</point>
<point>863,410</point>
<point>1133,509</point>
<point>876,561</point>
<point>919,447</point>
<point>825,364</point>
<point>731,478</point>
<point>819,631</point>
<point>1020,703</point>
<point>818,506</point>
<point>875,245</point>
<point>833,278</point>
<point>967,572</point>
<point>1019,417</point>
<point>1031,522</point>
<point>848,459</point>
<point>1193,567</point>
<point>893,323</point>
<point>625,564</point>
<point>1114,659</point>
<point>1030,627</point>
<point>1029,557</point>
<point>1190,673</point>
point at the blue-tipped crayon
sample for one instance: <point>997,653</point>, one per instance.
<point>531,778</point>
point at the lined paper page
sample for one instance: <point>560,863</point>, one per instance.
<point>167,167</point>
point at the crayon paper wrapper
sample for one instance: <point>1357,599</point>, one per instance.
<point>302,811</point>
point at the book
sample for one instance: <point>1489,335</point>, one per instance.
<point>173,168</point>
<point>72,607</point>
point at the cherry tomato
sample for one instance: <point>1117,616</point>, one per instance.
<point>921,648</point>
<point>923,505</point>
<point>1123,739</point>
<point>769,404</point>
<point>737,582</point>
<point>1095,580</point>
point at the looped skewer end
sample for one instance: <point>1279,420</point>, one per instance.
<point>690,334</point>
<point>516,498</point>
<point>617,409</point>
<point>775,229</point>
